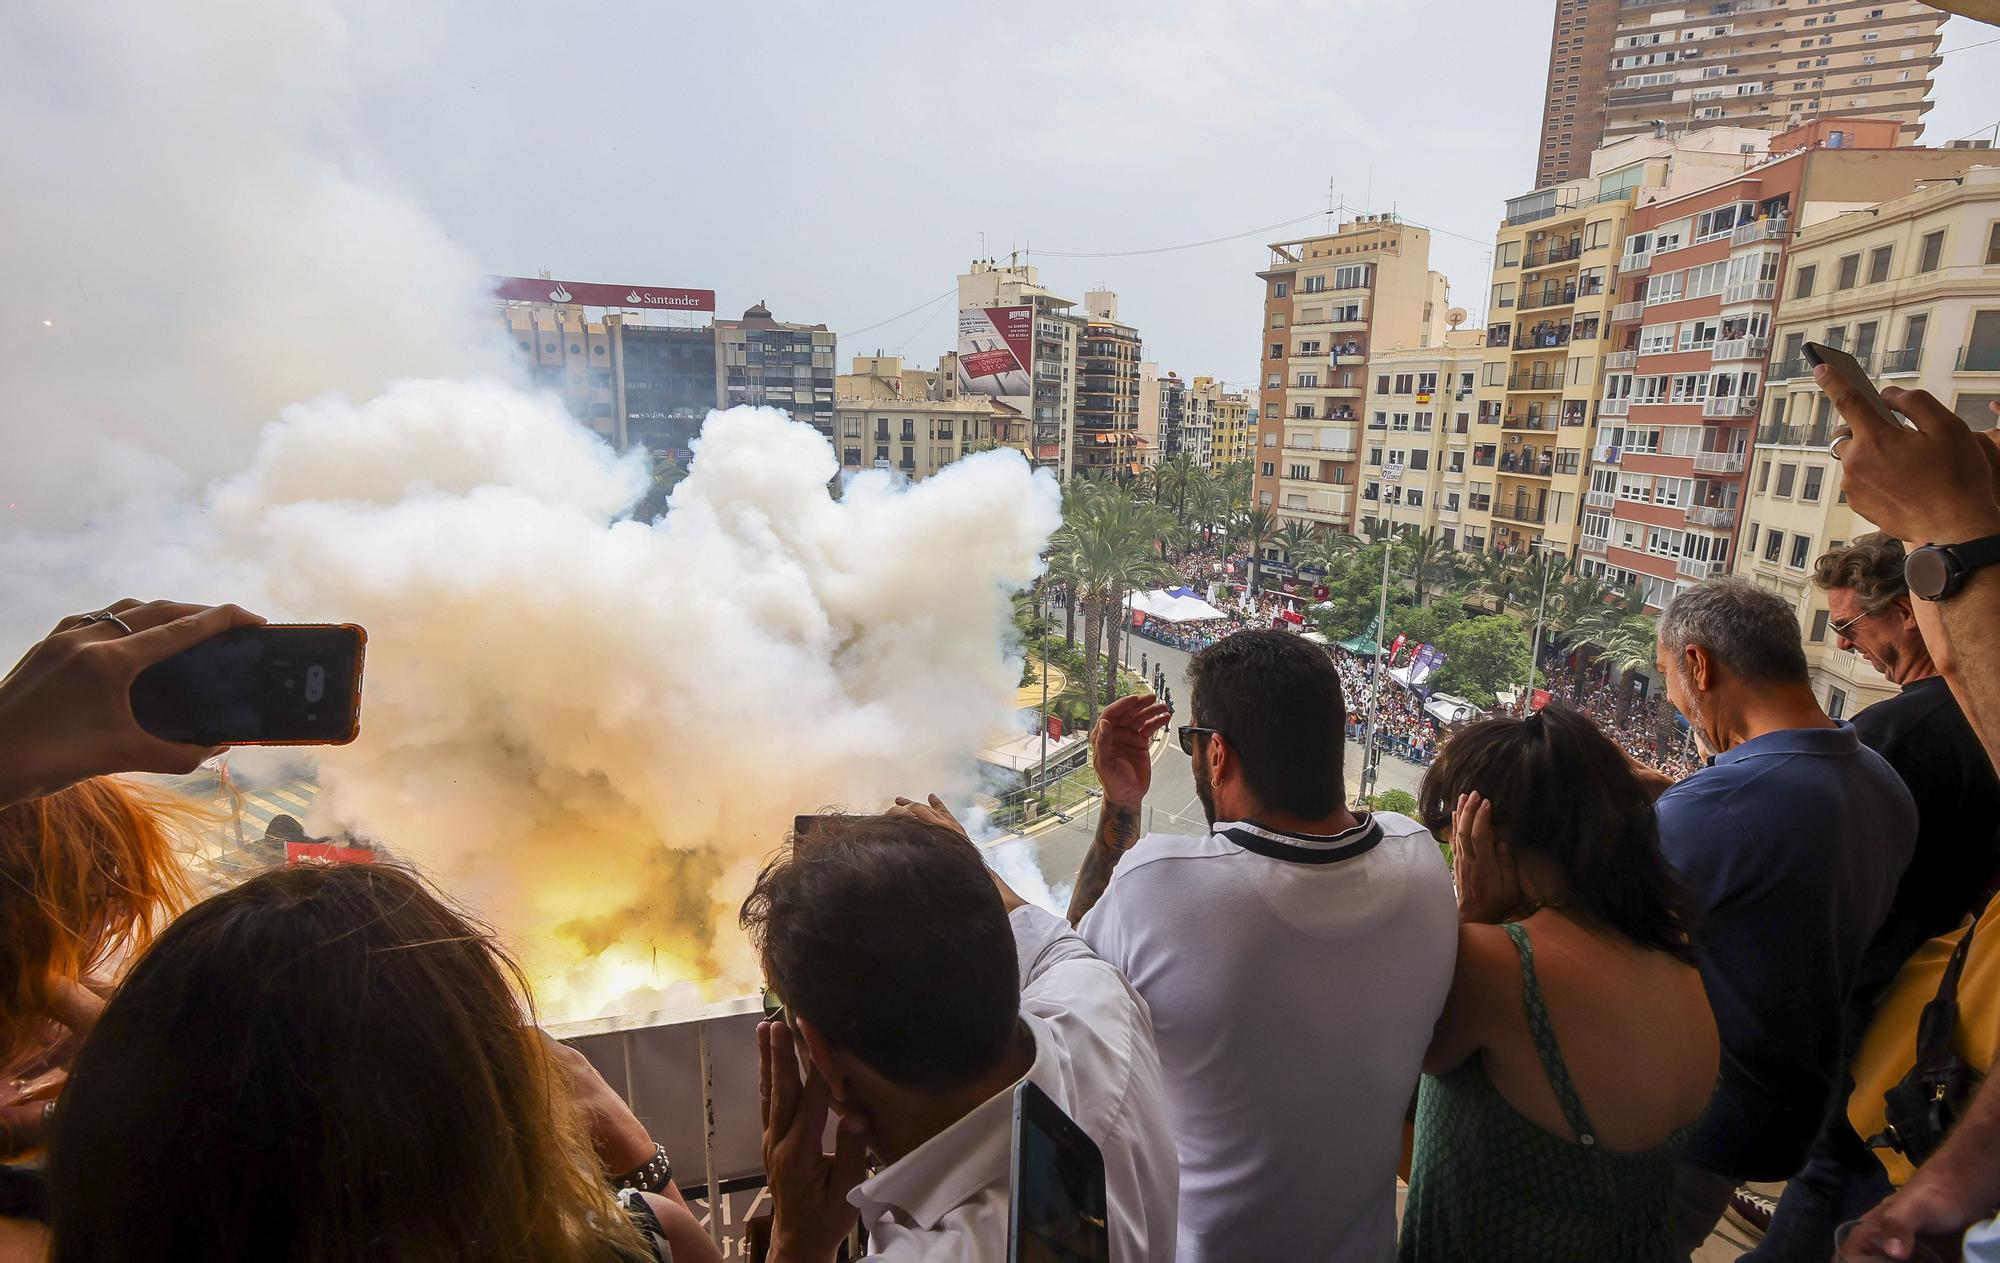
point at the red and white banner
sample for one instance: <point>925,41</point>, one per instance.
<point>995,348</point>
<point>528,289</point>
<point>1396,647</point>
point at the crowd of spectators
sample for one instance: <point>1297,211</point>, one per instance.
<point>1628,995</point>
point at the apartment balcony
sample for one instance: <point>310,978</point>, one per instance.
<point>1761,230</point>
<point>1545,340</point>
<point>1628,311</point>
<point>1521,511</point>
<point>1528,468</point>
<point>1346,359</point>
<point>1378,425</point>
<point>1742,349</point>
<point>1902,363</point>
<point>1709,515</point>
<point>1814,435</point>
<point>1551,297</point>
<point>1689,568</point>
<point>1499,335</point>
<point>1530,422</point>
<point>1614,407</point>
<point>1553,255</point>
<point>1787,370</point>
<point>1594,544</point>
<point>1729,406</point>
<point>1614,360</point>
<point>1750,292</point>
<point>1535,382</point>
<point>1719,462</point>
<point>1634,262</point>
<point>1979,359</point>
<point>1600,499</point>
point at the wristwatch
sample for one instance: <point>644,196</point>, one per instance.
<point>1936,571</point>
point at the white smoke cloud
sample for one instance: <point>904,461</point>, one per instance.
<point>265,378</point>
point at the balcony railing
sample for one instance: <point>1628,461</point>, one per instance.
<point>1729,406</point>
<point>1814,435</point>
<point>1614,407</point>
<point>1786,370</point>
<point>1710,515</point>
<point>1899,363</point>
<point>1528,421</point>
<point>1760,230</point>
<point>1529,468</point>
<point>1544,340</point>
<point>1621,359</point>
<point>1547,298</point>
<point>1979,359</point>
<point>1633,262</point>
<point>1719,462</point>
<point>1594,544</point>
<point>1742,349</point>
<point>1535,381</point>
<point>1690,568</point>
<point>1599,499</point>
<point>1750,292</point>
<point>1627,311</point>
<point>1521,512</point>
<point>1554,254</point>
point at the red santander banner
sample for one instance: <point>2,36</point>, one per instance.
<point>527,289</point>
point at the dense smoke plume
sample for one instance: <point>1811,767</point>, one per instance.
<point>237,370</point>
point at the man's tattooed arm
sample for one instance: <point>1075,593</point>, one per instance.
<point>1117,830</point>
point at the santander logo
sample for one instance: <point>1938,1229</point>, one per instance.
<point>559,294</point>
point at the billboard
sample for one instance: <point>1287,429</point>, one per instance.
<point>995,350</point>
<point>528,289</point>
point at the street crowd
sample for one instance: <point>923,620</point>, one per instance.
<point>1627,996</point>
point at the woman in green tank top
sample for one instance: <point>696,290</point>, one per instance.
<point>1576,1050</point>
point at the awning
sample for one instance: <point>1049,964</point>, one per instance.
<point>1169,608</point>
<point>1362,645</point>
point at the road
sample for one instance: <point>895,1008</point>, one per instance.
<point>1171,805</point>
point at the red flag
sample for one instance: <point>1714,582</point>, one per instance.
<point>329,852</point>
<point>1396,647</point>
<point>1538,699</point>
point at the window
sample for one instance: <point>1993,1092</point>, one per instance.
<point>1277,350</point>
<point>1993,244</point>
<point>1774,544</point>
<point>850,427</point>
<point>1503,294</point>
<point>1664,288</point>
<point>1707,279</point>
<point>1353,276</point>
<point>1414,498</point>
<point>1419,459</point>
<point>1787,475</point>
<point>1878,264</point>
<point>1655,339</point>
<point>1268,469</point>
<point>1278,321</point>
<point>1403,381</point>
<point>1280,288</point>
<point>1810,491</point>
<point>1763,477</point>
<point>1836,699</point>
<point>1803,286</point>
<point>1850,270</point>
<point>1801,545</point>
<point>1381,383</point>
<point>1426,383</point>
<point>1913,337</point>
<point>1313,285</point>
<point>1308,380</point>
<point>1820,620</point>
<point>1932,251</point>
<point>1864,341</point>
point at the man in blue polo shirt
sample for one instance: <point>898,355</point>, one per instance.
<point>1792,841</point>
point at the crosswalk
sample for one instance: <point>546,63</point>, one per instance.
<point>231,846</point>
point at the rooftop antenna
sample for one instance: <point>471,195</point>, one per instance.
<point>982,245</point>
<point>1332,205</point>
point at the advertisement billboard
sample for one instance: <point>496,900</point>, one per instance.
<point>995,350</point>
<point>528,289</point>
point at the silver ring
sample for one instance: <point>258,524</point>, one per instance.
<point>1840,436</point>
<point>106,616</point>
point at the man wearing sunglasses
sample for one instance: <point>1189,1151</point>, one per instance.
<point>1294,956</point>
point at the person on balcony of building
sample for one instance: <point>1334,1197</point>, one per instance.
<point>1792,840</point>
<point>916,990</point>
<point>1294,959</point>
<point>1924,735</point>
<point>1577,1048</point>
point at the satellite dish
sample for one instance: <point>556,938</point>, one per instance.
<point>1456,317</point>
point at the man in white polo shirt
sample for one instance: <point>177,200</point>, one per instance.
<point>920,990</point>
<point>1294,959</point>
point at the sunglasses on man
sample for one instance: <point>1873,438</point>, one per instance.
<point>1189,732</point>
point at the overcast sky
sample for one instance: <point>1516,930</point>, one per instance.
<point>842,161</point>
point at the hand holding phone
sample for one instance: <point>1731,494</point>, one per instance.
<point>1059,1210</point>
<point>277,684</point>
<point>65,708</point>
<point>1851,372</point>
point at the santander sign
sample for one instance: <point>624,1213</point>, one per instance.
<point>529,289</point>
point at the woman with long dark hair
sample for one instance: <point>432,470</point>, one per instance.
<point>1576,1049</point>
<point>330,1063</point>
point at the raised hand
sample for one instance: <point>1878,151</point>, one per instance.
<point>1121,749</point>
<point>810,1213</point>
<point>1487,892</point>
<point>1935,484</point>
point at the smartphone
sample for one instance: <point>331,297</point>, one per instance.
<point>1059,1212</point>
<point>1851,371</point>
<point>279,684</point>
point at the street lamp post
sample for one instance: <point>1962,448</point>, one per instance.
<point>1541,610</point>
<point>1391,474</point>
<point>1043,636</point>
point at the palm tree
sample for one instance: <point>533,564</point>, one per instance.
<point>1176,477</point>
<point>1112,540</point>
<point>1257,529</point>
<point>1296,538</point>
<point>1630,647</point>
<point>1427,559</point>
<point>1208,505</point>
<point>1493,574</point>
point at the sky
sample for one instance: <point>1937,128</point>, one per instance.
<point>842,162</point>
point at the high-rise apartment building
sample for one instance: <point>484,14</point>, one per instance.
<point>768,363</point>
<point>1911,288</point>
<point>1198,426</point>
<point>1172,396</point>
<point>1699,278</point>
<point>1329,302</point>
<point>1636,67</point>
<point>1107,392</point>
<point>1235,433</point>
<point>1018,342</point>
<point>907,419</point>
<point>1419,408</point>
<point>1550,309</point>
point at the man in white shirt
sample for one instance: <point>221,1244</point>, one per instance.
<point>1294,960</point>
<point>920,991</point>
